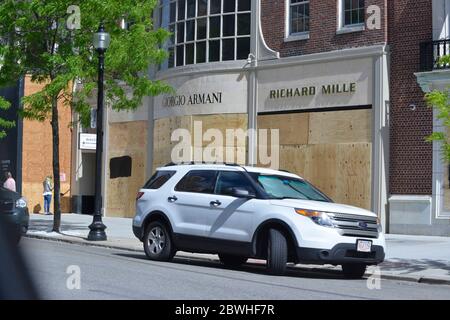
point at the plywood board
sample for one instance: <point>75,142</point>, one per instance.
<point>320,167</point>
<point>222,122</point>
<point>347,126</point>
<point>293,127</point>
<point>292,158</point>
<point>354,174</point>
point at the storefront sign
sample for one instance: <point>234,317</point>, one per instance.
<point>328,89</point>
<point>88,141</point>
<point>203,94</point>
<point>316,86</point>
<point>193,99</point>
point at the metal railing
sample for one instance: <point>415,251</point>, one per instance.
<point>431,52</point>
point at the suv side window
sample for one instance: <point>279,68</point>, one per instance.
<point>232,179</point>
<point>200,181</point>
<point>158,179</point>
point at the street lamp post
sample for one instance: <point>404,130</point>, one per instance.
<point>101,41</point>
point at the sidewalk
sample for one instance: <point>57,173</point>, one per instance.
<point>412,258</point>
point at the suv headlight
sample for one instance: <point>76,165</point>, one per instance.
<point>319,217</point>
<point>379,227</point>
<point>21,203</point>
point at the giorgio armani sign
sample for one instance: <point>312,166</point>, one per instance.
<point>192,99</point>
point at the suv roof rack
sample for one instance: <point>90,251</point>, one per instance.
<point>203,162</point>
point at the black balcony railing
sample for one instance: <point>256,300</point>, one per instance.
<point>431,52</point>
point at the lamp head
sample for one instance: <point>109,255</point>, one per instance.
<point>101,39</point>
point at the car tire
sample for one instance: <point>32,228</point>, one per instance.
<point>230,260</point>
<point>158,242</point>
<point>277,253</point>
<point>354,270</point>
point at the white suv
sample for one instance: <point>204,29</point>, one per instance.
<point>242,212</point>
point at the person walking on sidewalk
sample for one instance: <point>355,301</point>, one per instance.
<point>9,183</point>
<point>48,187</point>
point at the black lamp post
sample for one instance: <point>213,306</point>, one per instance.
<point>101,41</point>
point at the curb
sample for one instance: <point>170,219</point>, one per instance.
<point>388,276</point>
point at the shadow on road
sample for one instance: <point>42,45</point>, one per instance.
<point>248,267</point>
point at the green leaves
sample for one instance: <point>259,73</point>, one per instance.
<point>37,43</point>
<point>5,124</point>
<point>439,100</point>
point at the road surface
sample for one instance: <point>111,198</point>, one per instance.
<point>117,274</point>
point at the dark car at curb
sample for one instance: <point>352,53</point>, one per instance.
<point>13,209</point>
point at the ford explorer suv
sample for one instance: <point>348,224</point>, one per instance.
<point>242,212</point>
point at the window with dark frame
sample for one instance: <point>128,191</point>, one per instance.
<point>198,181</point>
<point>205,30</point>
<point>298,16</point>
<point>353,12</point>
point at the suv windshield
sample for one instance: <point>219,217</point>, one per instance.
<point>282,187</point>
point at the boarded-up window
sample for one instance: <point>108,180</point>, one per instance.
<point>120,167</point>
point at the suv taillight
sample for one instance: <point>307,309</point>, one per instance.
<point>139,195</point>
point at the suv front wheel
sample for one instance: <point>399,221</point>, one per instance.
<point>277,252</point>
<point>157,242</point>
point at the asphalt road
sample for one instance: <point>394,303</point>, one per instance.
<point>116,274</point>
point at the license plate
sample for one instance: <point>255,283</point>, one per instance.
<point>363,245</point>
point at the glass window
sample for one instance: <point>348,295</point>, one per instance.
<point>190,30</point>
<point>227,49</point>
<point>180,32</point>
<point>214,27</point>
<point>201,29</point>
<point>228,26</point>
<point>201,52</point>
<point>227,180</point>
<point>214,6</point>
<point>244,5</point>
<point>181,10</point>
<point>298,16</point>
<point>199,36</point>
<point>243,48</point>
<point>199,181</point>
<point>353,12</point>
<point>243,24</point>
<point>158,179</point>
<point>229,6</point>
<point>202,8</point>
<point>190,8</point>
<point>190,53</point>
<point>180,55</point>
<point>214,50</point>
<point>287,187</point>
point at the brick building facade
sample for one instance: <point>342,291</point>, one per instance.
<point>356,129</point>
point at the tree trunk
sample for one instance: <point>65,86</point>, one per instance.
<point>56,176</point>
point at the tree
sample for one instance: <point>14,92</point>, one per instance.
<point>51,41</point>
<point>439,99</point>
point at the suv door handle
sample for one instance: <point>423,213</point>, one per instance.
<point>172,199</point>
<point>215,203</point>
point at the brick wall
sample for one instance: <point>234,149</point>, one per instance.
<point>37,155</point>
<point>410,22</point>
<point>323,26</point>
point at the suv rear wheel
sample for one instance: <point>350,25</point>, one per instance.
<point>157,242</point>
<point>354,271</point>
<point>277,252</point>
<point>232,260</point>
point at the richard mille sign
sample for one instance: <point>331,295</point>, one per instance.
<point>326,89</point>
<point>313,86</point>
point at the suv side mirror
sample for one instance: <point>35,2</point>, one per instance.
<point>241,193</point>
